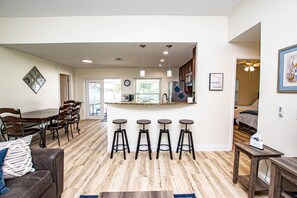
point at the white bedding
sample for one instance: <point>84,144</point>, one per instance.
<point>248,119</point>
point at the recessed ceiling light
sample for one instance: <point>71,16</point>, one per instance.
<point>165,52</point>
<point>162,60</point>
<point>86,61</point>
<point>117,58</point>
<point>160,65</point>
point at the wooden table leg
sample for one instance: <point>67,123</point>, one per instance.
<point>236,165</point>
<point>253,177</point>
<point>42,142</point>
<point>275,182</point>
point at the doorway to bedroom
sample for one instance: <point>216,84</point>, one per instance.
<point>246,98</point>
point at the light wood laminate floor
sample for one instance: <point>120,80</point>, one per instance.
<point>89,170</point>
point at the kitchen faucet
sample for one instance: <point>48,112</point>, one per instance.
<point>164,98</point>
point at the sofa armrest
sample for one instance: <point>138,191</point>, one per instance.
<point>53,160</point>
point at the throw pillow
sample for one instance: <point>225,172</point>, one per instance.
<point>18,160</point>
<point>3,188</point>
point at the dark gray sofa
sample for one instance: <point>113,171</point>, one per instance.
<point>47,180</point>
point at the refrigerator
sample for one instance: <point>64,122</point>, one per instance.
<point>176,91</point>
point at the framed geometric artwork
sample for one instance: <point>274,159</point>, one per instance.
<point>34,80</point>
<point>287,70</point>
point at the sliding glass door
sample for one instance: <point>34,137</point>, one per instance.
<point>95,99</point>
<point>99,91</point>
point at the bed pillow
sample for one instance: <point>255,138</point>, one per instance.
<point>255,104</point>
<point>18,160</point>
<point>3,188</point>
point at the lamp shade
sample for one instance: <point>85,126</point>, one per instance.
<point>142,73</point>
<point>169,73</point>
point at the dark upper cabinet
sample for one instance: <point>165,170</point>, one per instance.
<point>182,73</point>
<point>187,73</point>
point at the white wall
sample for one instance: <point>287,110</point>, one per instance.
<point>14,91</point>
<point>278,30</point>
<point>213,114</point>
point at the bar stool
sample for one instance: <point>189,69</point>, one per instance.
<point>190,144</point>
<point>146,132</point>
<point>124,145</point>
<point>164,131</point>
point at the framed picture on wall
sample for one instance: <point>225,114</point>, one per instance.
<point>216,81</point>
<point>287,70</point>
<point>34,80</point>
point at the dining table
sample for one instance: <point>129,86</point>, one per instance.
<point>43,118</point>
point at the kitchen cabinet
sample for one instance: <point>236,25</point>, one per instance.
<point>187,73</point>
<point>185,70</point>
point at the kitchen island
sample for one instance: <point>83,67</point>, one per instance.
<point>152,111</point>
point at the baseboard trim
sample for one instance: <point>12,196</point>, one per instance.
<point>197,148</point>
<point>213,148</point>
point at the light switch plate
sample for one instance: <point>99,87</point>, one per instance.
<point>281,111</point>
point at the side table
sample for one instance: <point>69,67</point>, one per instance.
<point>283,167</point>
<point>252,182</point>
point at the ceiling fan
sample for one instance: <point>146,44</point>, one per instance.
<point>249,65</point>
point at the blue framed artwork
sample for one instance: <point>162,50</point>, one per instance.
<point>287,70</point>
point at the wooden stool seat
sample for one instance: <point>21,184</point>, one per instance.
<point>144,131</point>
<point>164,131</point>
<point>164,121</point>
<point>185,121</point>
<point>143,121</point>
<point>119,121</point>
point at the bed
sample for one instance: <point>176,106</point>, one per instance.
<point>246,117</point>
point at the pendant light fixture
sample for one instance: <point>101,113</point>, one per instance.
<point>142,72</point>
<point>169,72</point>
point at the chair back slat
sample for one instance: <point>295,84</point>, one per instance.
<point>71,102</point>
<point>64,114</point>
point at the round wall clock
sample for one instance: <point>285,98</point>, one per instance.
<point>127,83</point>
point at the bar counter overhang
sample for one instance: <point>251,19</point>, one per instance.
<point>153,111</point>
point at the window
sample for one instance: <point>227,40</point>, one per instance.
<point>112,90</point>
<point>147,90</point>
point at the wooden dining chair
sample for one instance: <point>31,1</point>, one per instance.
<point>76,115</point>
<point>14,126</point>
<point>61,122</point>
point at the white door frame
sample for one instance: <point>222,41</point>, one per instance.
<point>70,85</point>
<point>233,93</point>
<point>87,81</point>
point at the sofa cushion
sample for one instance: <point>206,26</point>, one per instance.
<point>18,160</point>
<point>3,188</point>
<point>30,185</point>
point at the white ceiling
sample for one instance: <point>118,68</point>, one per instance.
<point>52,8</point>
<point>102,54</point>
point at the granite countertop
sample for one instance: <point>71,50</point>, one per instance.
<point>135,103</point>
